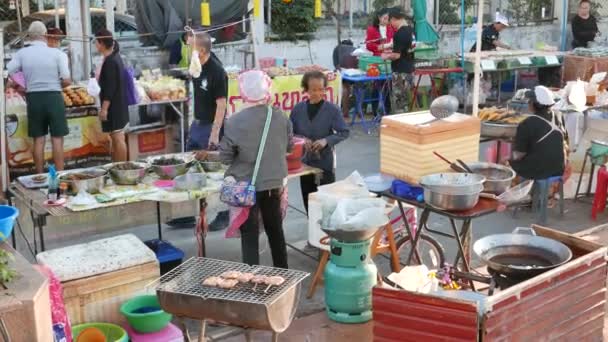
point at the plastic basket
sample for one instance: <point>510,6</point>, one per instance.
<point>383,66</point>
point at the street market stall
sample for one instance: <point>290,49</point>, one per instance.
<point>565,303</point>
<point>286,87</point>
<point>582,63</point>
<point>498,62</point>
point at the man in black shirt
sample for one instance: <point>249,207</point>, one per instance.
<point>402,58</point>
<point>343,58</point>
<point>210,101</point>
<point>490,36</point>
<point>210,97</point>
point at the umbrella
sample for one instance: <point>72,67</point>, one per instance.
<point>424,31</point>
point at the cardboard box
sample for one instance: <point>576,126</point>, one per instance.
<point>150,142</point>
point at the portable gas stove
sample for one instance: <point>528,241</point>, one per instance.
<point>182,294</point>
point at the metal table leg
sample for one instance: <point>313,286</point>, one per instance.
<point>202,228</point>
<point>158,221</point>
<point>409,232</point>
<point>201,336</point>
<point>13,235</point>
<point>464,240</point>
<point>423,220</point>
<point>4,331</point>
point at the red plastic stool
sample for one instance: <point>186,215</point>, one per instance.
<point>599,201</point>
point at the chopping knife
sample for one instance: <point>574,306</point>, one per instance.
<point>453,166</point>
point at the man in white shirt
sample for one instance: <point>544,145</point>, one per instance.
<point>46,72</point>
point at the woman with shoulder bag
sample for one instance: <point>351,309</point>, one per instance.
<point>255,143</point>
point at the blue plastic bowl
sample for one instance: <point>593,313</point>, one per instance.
<point>8,215</point>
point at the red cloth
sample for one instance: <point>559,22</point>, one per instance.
<point>373,38</point>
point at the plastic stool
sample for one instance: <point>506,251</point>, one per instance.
<point>599,200</point>
<point>540,196</point>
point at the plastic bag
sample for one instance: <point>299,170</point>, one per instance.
<point>195,65</point>
<point>93,87</point>
<point>361,52</point>
<point>358,214</point>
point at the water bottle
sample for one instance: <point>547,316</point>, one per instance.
<point>53,194</point>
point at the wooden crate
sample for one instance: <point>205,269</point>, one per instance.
<point>99,276</point>
<point>25,305</point>
<point>407,143</point>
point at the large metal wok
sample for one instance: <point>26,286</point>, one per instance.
<point>521,255</point>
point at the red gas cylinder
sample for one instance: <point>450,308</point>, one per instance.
<point>599,201</point>
<point>294,159</point>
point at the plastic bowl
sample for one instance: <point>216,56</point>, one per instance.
<point>378,182</point>
<point>112,332</point>
<point>8,215</point>
<point>145,315</point>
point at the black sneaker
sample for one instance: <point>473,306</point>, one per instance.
<point>221,221</point>
<point>182,222</point>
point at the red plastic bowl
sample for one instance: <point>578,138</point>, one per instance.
<point>294,159</point>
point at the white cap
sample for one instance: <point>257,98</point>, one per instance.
<point>37,29</point>
<point>501,19</point>
<point>544,96</point>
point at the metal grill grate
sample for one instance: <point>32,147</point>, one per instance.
<point>187,279</point>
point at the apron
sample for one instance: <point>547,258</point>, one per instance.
<point>553,129</point>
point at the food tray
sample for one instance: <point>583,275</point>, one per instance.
<point>28,181</point>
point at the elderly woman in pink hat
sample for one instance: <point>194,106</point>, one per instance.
<point>239,148</point>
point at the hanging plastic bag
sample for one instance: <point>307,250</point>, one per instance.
<point>93,87</point>
<point>132,95</point>
<point>195,65</point>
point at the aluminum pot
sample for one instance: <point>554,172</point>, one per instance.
<point>128,177</point>
<point>498,177</point>
<point>521,255</point>
<point>452,183</point>
<point>498,130</point>
<point>92,185</point>
<point>453,201</point>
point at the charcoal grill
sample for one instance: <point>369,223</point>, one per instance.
<point>182,294</point>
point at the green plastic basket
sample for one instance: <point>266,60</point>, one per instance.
<point>145,322</point>
<point>383,66</point>
<point>113,332</point>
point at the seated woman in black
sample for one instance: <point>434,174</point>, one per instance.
<point>539,142</point>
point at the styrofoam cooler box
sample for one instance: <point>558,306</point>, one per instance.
<point>407,143</point>
<point>97,277</point>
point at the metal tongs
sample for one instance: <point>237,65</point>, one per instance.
<point>461,167</point>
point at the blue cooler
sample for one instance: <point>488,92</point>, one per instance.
<point>169,257</point>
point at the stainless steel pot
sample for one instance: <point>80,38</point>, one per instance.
<point>91,185</point>
<point>521,255</point>
<point>498,130</point>
<point>172,171</point>
<point>453,200</point>
<point>128,177</point>
<point>452,183</point>
<point>498,177</point>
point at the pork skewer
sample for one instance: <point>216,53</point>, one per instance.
<point>258,279</point>
<point>274,281</point>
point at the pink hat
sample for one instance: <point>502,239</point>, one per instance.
<point>254,86</point>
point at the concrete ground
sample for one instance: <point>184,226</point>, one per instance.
<point>360,152</point>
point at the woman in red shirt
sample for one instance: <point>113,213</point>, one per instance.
<point>380,34</point>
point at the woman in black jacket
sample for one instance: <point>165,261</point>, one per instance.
<point>584,25</point>
<point>114,112</point>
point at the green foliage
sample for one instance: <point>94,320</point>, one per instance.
<point>294,20</point>
<point>449,11</point>
<point>6,273</point>
<point>525,11</point>
<point>380,4</point>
